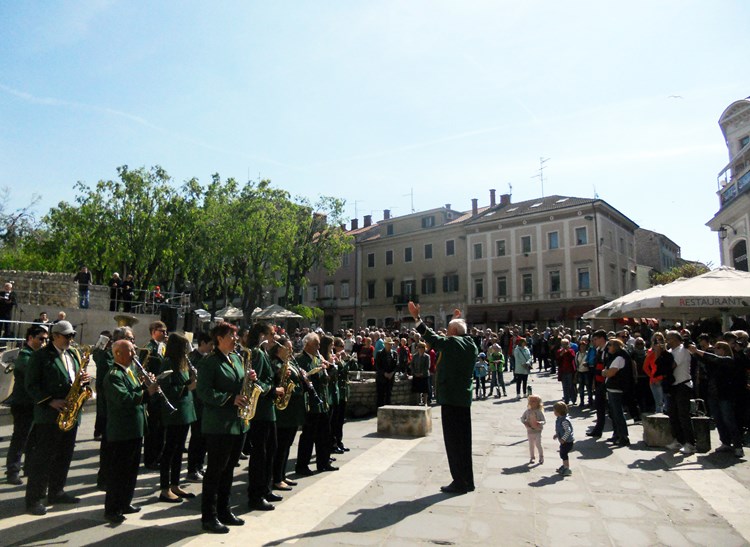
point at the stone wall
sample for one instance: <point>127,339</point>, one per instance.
<point>49,289</point>
<point>363,397</point>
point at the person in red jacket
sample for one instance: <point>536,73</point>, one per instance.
<point>566,370</point>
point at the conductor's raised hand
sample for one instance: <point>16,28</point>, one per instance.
<point>414,310</point>
<point>456,314</point>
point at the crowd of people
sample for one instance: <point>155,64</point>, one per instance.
<point>235,395</point>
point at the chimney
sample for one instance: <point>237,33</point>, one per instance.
<point>447,205</point>
<point>343,226</point>
<point>386,214</point>
<point>492,198</point>
<point>505,199</point>
<point>474,207</point>
<point>368,221</point>
<point>355,223</point>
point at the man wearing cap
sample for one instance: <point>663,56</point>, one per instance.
<point>385,370</point>
<point>51,372</point>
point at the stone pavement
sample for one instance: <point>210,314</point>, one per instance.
<point>387,493</point>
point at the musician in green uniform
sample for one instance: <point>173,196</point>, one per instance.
<point>220,385</point>
<point>178,388</point>
<point>126,423</point>
<point>151,357</point>
<point>316,430</point>
<point>288,420</point>
<point>21,404</point>
<point>197,445</point>
<point>344,364</point>
<point>51,373</point>
<point>263,426</point>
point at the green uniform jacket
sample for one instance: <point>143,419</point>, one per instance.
<point>345,365</point>
<point>20,397</point>
<point>319,382</point>
<point>153,363</point>
<point>265,411</point>
<point>104,361</point>
<point>47,379</point>
<point>455,366</point>
<point>175,388</point>
<point>293,415</point>
<point>195,358</point>
<point>219,382</point>
<point>333,385</point>
<point>126,415</point>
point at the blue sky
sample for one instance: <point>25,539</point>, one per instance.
<point>369,100</point>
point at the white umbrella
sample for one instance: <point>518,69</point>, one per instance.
<point>720,291</point>
<point>274,311</point>
<point>603,311</point>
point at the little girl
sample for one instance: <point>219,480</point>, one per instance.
<point>480,376</point>
<point>533,419</point>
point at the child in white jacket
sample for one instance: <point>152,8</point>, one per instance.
<point>533,419</point>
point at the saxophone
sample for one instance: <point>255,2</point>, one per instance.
<point>282,401</point>
<point>78,393</point>
<point>250,389</point>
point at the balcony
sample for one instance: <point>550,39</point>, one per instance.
<point>327,302</point>
<point>401,300</point>
<point>733,189</point>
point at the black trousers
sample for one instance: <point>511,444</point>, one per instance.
<point>223,453</point>
<point>105,456</point>
<point>153,442</point>
<point>338,415</point>
<point>384,390</point>
<point>284,440</point>
<point>457,438</point>
<point>600,404</point>
<point>262,452</point>
<point>23,417</point>
<point>171,459</point>
<point>196,448</point>
<point>679,413</point>
<point>521,383</point>
<point>316,431</point>
<point>49,462</point>
<point>122,466</point>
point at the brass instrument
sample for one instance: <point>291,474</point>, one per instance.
<point>79,392</point>
<point>282,401</point>
<point>125,320</point>
<point>146,379</point>
<point>250,389</point>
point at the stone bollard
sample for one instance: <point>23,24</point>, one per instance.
<point>405,421</point>
<point>656,430</point>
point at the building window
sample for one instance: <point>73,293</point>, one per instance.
<point>428,285</point>
<point>526,244</point>
<point>346,321</point>
<point>479,288</point>
<point>344,289</point>
<point>450,283</point>
<point>428,222</point>
<point>345,261</point>
<point>450,247</point>
<point>388,258</point>
<point>553,240</point>
<point>744,141</point>
<point>477,251</point>
<point>582,236</point>
<point>500,247</point>
<point>370,260</point>
<point>584,283</point>
<point>388,288</point>
<point>554,281</point>
<point>370,290</point>
<point>389,230</point>
<point>328,290</point>
<point>407,254</point>
<point>408,288</point>
<point>528,284</point>
<point>313,292</point>
<point>428,251</point>
<point>502,286</point>
<point>622,245</point>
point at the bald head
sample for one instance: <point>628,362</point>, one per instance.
<point>123,352</point>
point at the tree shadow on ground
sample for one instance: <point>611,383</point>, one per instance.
<point>376,518</point>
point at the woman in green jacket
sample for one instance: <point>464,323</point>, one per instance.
<point>178,388</point>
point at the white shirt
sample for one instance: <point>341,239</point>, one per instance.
<point>682,365</point>
<point>68,362</point>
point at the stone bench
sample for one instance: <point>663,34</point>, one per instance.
<point>405,421</point>
<point>657,433</point>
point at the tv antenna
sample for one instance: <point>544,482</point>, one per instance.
<point>540,176</point>
<point>410,194</point>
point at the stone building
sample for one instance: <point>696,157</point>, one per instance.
<point>656,250</point>
<point>732,220</point>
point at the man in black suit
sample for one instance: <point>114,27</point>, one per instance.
<point>7,303</point>
<point>385,370</point>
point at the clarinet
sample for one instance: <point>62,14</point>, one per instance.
<point>146,379</point>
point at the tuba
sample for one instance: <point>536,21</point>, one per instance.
<point>282,401</point>
<point>78,393</point>
<point>250,389</point>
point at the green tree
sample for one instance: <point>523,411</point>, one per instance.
<point>689,269</point>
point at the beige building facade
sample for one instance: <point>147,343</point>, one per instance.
<point>732,221</point>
